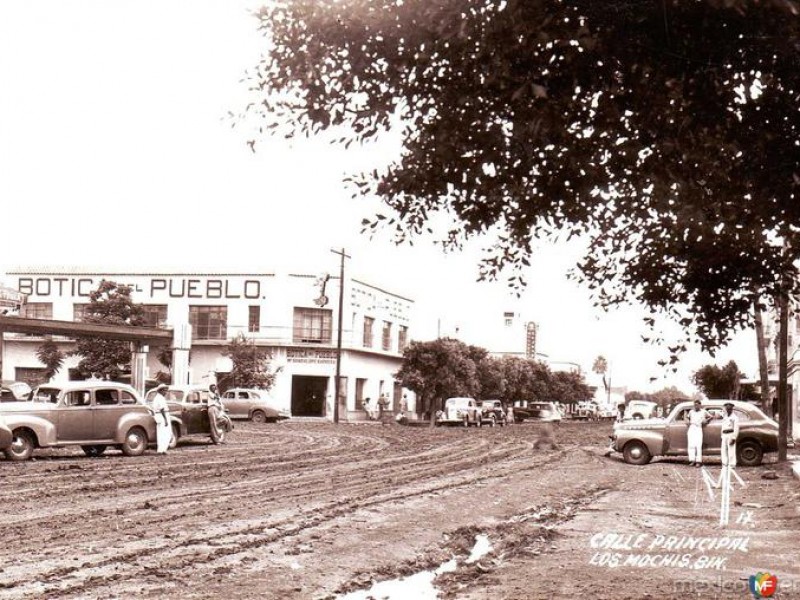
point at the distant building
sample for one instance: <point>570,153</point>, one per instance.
<point>292,316</point>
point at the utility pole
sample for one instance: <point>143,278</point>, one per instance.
<point>337,378</point>
<point>783,399</point>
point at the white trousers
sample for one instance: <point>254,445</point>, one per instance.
<point>728,449</point>
<point>163,434</point>
<point>695,443</point>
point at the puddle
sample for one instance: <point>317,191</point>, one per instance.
<point>419,585</point>
<point>481,548</point>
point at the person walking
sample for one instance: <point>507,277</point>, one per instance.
<point>160,411</point>
<point>383,403</point>
<point>730,431</point>
<point>698,418</point>
<point>618,419</point>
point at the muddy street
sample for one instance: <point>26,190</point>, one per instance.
<point>310,510</point>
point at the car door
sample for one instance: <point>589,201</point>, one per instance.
<point>712,433</point>
<point>107,410</point>
<point>676,434</point>
<point>194,413</point>
<point>75,416</point>
<point>243,403</point>
<point>231,404</point>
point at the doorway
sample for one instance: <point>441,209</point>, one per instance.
<point>308,396</point>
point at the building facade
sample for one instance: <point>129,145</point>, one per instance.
<point>292,316</point>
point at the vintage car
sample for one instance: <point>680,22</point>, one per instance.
<point>545,412</point>
<point>587,410</point>
<point>91,414</point>
<point>6,437</point>
<point>460,411</point>
<point>493,413</point>
<point>640,409</point>
<point>642,439</point>
<point>252,404</point>
<point>188,413</point>
<point>14,391</point>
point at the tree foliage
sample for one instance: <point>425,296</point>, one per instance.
<point>51,357</point>
<point>251,364</point>
<point>110,304</point>
<point>445,368</point>
<point>664,131</point>
<point>665,397</point>
<point>718,382</point>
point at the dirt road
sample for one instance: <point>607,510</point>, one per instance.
<point>306,510</point>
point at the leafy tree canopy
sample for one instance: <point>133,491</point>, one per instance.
<point>251,364</point>
<point>110,303</point>
<point>718,382</point>
<point>52,358</point>
<point>664,131</point>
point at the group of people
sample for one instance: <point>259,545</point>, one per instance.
<point>160,410</point>
<point>376,409</point>
<point>698,418</point>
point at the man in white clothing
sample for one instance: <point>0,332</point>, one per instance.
<point>161,414</point>
<point>698,418</point>
<point>730,431</point>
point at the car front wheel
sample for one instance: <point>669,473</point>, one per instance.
<point>135,442</point>
<point>21,447</point>
<point>636,453</point>
<point>94,451</point>
<point>749,453</point>
<point>258,416</point>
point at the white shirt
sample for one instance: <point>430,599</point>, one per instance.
<point>730,422</point>
<point>160,407</point>
<point>698,417</point>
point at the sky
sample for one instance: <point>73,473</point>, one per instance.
<point>117,151</point>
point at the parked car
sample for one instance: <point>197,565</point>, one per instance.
<point>640,409</point>
<point>493,413</point>
<point>91,414</point>
<point>546,412</point>
<point>6,437</point>
<point>188,412</point>
<point>14,391</point>
<point>587,410</point>
<point>461,411</point>
<point>245,403</point>
<point>642,439</point>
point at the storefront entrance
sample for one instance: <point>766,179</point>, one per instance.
<point>308,396</point>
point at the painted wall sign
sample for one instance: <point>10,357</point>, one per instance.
<point>209,288</point>
<point>310,355</point>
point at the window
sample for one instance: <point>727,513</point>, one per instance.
<point>106,397</point>
<point>387,335</point>
<point>509,318</point>
<point>254,319</point>
<point>402,338</point>
<point>33,376</point>
<point>127,397</point>
<point>78,398</point>
<point>37,310</point>
<point>154,315</point>
<point>209,322</point>
<point>368,323</point>
<point>79,311</point>
<point>312,325</point>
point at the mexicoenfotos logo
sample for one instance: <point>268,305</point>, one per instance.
<point>763,585</point>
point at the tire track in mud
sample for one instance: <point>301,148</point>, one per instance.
<point>442,462</point>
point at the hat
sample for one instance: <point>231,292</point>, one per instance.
<point>728,404</point>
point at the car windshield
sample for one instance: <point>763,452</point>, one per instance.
<point>20,389</point>
<point>176,395</point>
<point>46,394</point>
<point>540,406</point>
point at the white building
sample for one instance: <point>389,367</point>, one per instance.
<point>293,316</point>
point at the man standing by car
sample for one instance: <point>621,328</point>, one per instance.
<point>730,431</point>
<point>161,415</point>
<point>698,418</point>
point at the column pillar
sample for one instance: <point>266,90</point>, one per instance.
<point>139,366</point>
<point>181,346</point>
